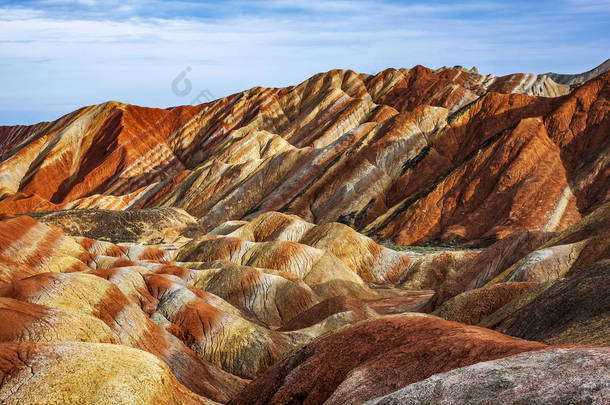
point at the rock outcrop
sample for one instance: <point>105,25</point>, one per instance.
<point>143,226</point>
<point>409,155</point>
<point>488,264</point>
<point>558,376</point>
<point>572,310</point>
<point>576,79</point>
<point>211,321</point>
<point>92,373</point>
<point>376,357</point>
<point>257,248</point>
<point>472,306</point>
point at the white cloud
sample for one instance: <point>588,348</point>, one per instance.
<point>49,59</point>
<point>587,6</point>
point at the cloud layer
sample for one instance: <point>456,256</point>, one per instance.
<point>56,56</point>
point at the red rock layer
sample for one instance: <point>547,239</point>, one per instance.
<point>92,373</point>
<point>488,264</point>
<point>103,300</point>
<point>377,357</point>
<point>410,155</point>
<point>554,376</point>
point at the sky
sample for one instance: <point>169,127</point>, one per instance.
<point>57,56</point>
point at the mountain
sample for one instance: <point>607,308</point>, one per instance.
<point>415,236</point>
<point>573,80</point>
<point>377,153</point>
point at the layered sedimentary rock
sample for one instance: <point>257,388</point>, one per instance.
<point>572,310</point>
<point>558,376</point>
<point>25,241</point>
<point>411,155</point>
<point>343,305</point>
<point>214,329</point>
<point>210,320</point>
<point>23,321</point>
<point>489,263</point>
<point>91,373</point>
<point>576,79</point>
<point>144,226</point>
<point>319,269</point>
<point>433,269</point>
<point>472,306</point>
<point>546,287</point>
<point>271,296</point>
<point>376,357</point>
<point>171,256</point>
<point>94,296</point>
<point>372,262</point>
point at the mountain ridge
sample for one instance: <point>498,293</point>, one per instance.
<point>348,129</point>
<point>150,305</point>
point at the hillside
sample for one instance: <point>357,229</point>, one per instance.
<point>415,236</point>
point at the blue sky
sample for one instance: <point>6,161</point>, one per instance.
<point>56,55</point>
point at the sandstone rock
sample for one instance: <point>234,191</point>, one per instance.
<point>489,263</point>
<point>92,373</point>
<point>377,357</point>
<point>11,271</point>
<point>492,320</point>
<point>370,151</point>
<point>270,296</point>
<point>244,238</point>
<point>326,308</point>
<point>431,270</point>
<point>373,262</point>
<point>215,331</point>
<point>25,241</point>
<point>579,246</point>
<point>94,296</point>
<point>24,322</point>
<point>319,269</point>
<point>577,79</point>
<point>122,226</point>
<point>557,376</point>
<point>573,310</point>
<point>472,306</point>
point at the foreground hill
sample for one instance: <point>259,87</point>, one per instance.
<point>245,251</point>
<point>310,313</point>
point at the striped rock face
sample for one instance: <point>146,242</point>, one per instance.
<point>92,373</point>
<point>472,306</point>
<point>377,357</point>
<point>408,155</point>
<point>573,310</point>
<point>256,249</point>
<point>489,263</point>
<point>372,262</point>
<point>25,241</point>
<point>24,322</point>
<point>548,287</point>
<point>214,312</point>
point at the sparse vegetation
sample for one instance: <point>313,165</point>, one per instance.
<point>425,249</point>
<point>418,249</point>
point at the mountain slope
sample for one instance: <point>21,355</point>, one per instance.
<point>374,152</point>
<point>244,250</point>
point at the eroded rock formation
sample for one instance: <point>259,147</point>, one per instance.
<point>411,155</point>
<point>244,250</point>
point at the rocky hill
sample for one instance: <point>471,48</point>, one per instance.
<point>416,236</point>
